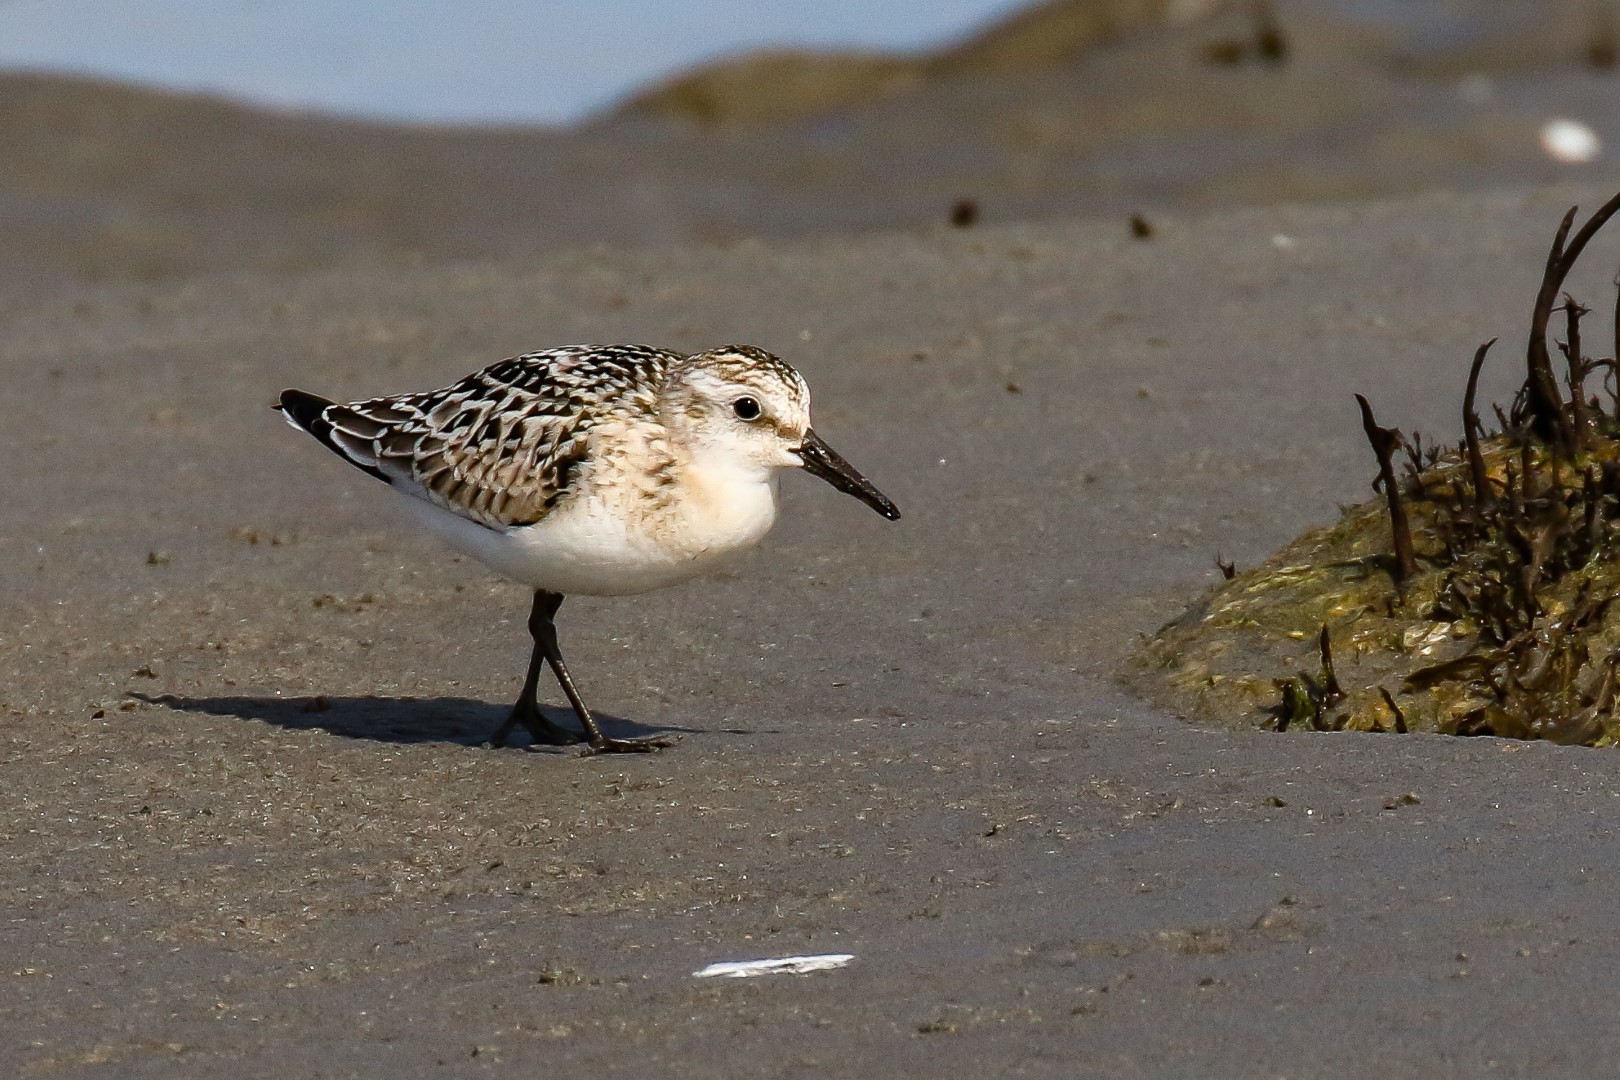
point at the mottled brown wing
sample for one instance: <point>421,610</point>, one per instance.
<point>505,445</point>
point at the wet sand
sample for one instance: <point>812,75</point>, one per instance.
<point>249,829</point>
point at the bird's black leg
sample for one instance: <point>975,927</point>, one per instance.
<point>527,710</point>
<point>545,641</point>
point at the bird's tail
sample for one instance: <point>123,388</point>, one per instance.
<point>303,410</point>
<point>310,412</point>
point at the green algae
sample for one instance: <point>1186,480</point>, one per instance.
<point>1474,598</point>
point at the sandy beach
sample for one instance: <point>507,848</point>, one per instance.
<point>250,831</point>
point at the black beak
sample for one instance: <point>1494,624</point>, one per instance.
<point>823,461</point>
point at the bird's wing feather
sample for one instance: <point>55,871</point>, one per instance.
<point>504,445</point>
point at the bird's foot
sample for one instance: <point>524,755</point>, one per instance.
<point>542,732</point>
<point>649,745</point>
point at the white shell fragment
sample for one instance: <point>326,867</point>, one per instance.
<point>787,965</point>
<point>1570,142</point>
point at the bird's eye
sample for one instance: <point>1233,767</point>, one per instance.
<point>746,408</point>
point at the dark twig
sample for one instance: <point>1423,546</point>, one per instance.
<point>1414,461</point>
<point>1400,717</point>
<point>1384,444</point>
<point>1606,364</point>
<point>1332,691</point>
<point>1546,406</point>
<point>1476,458</point>
<point>1577,369</point>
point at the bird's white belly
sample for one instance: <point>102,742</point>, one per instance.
<point>594,548</point>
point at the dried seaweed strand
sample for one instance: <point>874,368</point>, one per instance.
<point>1385,441</point>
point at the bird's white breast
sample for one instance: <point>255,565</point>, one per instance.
<point>613,539</point>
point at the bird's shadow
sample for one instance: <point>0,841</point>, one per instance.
<point>463,721</point>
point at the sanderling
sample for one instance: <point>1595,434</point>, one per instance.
<point>603,470</point>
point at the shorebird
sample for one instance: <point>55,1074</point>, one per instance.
<point>601,470</point>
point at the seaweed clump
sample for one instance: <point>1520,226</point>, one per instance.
<point>1475,598</point>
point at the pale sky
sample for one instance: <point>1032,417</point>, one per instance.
<point>489,61</point>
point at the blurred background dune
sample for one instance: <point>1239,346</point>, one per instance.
<point>1068,107</point>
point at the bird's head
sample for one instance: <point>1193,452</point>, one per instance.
<point>744,406</point>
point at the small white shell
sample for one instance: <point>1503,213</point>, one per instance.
<point>787,965</point>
